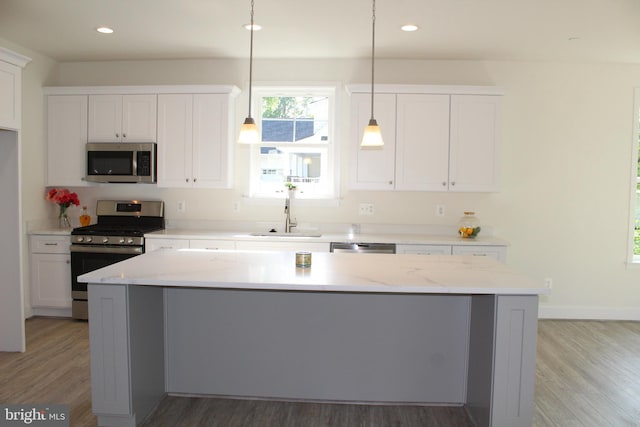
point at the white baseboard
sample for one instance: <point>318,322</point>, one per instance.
<point>588,313</point>
<point>51,312</point>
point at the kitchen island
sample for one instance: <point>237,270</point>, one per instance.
<point>428,330</point>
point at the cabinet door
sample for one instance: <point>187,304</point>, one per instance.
<point>475,143</point>
<point>139,118</point>
<point>10,86</point>
<point>373,169</point>
<point>211,160</point>
<point>496,252</point>
<point>424,249</point>
<point>66,140</point>
<point>51,280</point>
<point>105,118</point>
<point>175,136</point>
<point>422,142</point>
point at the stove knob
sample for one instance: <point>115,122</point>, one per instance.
<point>105,240</point>
<point>121,241</point>
<point>130,241</point>
<point>89,240</point>
<point>79,239</point>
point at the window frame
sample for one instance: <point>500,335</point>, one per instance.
<point>331,90</point>
<point>634,194</point>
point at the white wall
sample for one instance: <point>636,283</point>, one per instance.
<point>567,156</point>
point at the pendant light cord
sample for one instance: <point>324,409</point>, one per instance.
<point>373,52</point>
<point>251,60</point>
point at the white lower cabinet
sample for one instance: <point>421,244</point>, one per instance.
<point>497,252</point>
<point>50,262</point>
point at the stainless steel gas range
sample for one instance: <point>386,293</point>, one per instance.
<point>117,235</point>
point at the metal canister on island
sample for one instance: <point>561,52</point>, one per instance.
<point>303,259</point>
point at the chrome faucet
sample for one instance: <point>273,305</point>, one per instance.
<point>288,224</point>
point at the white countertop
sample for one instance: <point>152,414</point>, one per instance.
<point>330,272</point>
<point>398,238</point>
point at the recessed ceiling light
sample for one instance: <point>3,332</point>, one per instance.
<point>256,27</point>
<point>104,30</point>
<point>409,28</point>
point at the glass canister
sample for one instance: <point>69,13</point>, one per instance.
<point>468,226</point>
<point>85,218</point>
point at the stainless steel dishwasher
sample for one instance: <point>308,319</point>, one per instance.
<point>365,248</point>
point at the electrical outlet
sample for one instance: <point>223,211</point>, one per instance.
<point>182,206</point>
<point>366,209</point>
<point>440,210</point>
<point>548,282</point>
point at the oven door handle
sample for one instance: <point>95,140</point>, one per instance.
<point>106,249</point>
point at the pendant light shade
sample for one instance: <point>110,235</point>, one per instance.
<point>249,131</point>
<point>372,138</point>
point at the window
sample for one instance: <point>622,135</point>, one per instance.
<point>297,142</point>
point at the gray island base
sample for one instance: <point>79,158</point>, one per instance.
<point>363,328</point>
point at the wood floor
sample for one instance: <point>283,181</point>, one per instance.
<point>588,374</point>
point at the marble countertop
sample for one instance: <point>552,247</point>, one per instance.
<point>398,238</point>
<point>329,272</point>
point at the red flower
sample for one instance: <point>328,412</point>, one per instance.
<point>63,197</point>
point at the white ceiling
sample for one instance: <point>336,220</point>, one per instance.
<point>553,30</point>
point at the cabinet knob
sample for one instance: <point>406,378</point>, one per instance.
<point>444,184</point>
<point>68,261</point>
<point>390,182</point>
<point>186,179</point>
<point>124,135</point>
<point>117,135</point>
<point>195,179</point>
<point>453,183</point>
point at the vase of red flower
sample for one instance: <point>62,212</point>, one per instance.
<point>63,198</point>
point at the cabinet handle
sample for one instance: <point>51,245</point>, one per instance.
<point>195,179</point>
<point>51,244</point>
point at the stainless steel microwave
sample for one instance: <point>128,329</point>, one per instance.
<point>129,162</point>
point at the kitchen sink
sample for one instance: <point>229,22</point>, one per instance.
<point>282,234</point>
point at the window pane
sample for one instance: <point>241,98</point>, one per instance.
<point>295,119</point>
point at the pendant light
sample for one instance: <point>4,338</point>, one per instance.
<point>249,130</point>
<point>372,138</point>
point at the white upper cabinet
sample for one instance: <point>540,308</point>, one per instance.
<point>438,141</point>
<point>66,140</point>
<point>193,140</point>
<point>11,64</point>
<point>373,169</point>
<point>9,101</point>
<point>122,118</point>
<point>476,127</point>
<point>422,145</point>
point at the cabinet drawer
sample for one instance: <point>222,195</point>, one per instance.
<point>496,252</point>
<point>212,244</point>
<point>50,244</point>
<point>424,249</point>
<point>174,244</point>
